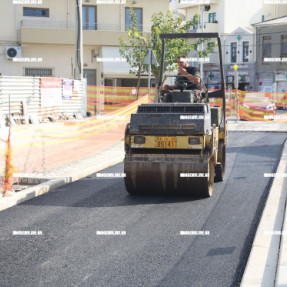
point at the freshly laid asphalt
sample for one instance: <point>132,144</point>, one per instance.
<point>152,253</point>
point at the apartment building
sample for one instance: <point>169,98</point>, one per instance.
<point>43,36</point>
<point>233,20</point>
<point>271,65</point>
<point>239,48</point>
<point>224,16</point>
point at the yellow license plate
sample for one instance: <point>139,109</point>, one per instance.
<point>165,142</point>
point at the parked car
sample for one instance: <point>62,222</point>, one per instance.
<point>256,107</point>
<point>280,100</point>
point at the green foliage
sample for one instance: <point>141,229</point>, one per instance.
<point>135,48</point>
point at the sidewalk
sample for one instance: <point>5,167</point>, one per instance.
<point>254,126</point>
<point>267,262</point>
<point>55,177</point>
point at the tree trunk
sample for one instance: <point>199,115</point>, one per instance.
<point>139,80</point>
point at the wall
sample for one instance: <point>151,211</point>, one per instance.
<point>250,12</point>
<point>271,11</point>
<point>275,32</point>
<point>7,16</point>
<point>227,14</point>
<point>266,73</point>
<point>53,38</point>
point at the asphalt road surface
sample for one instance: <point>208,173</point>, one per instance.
<point>150,252</point>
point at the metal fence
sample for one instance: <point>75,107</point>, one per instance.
<point>64,25</point>
<point>23,97</point>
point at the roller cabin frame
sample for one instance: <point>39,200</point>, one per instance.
<point>162,149</point>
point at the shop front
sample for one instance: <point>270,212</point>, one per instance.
<point>246,77</point>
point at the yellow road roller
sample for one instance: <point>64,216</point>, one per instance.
<point>178,143</point>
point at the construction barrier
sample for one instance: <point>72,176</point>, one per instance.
<point>40,147</point>
<point>75,130</point>
<point>279,99</point>
<point>103,99</point>
<point>254,106</point>
<point>44,146</point>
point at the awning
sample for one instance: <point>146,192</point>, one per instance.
<point>113,63</point>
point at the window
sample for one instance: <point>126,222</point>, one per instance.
<point>89,17</point>
<point>36,12</point>
<point>91,76</point>
<point>233,47</point>
<point>139,14</point>
<point>108,82</point>
<point>131,82</point>
<point>212,17</point>
<point>244,79</point>
<point>229,79</point>
<point>246,51</point>
<point>39,72</point>
<point>267,46</point>
<point>284,46</point>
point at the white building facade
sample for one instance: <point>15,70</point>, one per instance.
<point>45,35</point>
<point>233,20</point>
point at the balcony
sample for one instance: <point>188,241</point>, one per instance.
<point>182,4</point>
<point>60,32</point>
<point>208,27</point>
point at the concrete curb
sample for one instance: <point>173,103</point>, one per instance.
<point>262,261</point>
<point>281,276</point>
<point>32,192</point>
<point>256,127</point>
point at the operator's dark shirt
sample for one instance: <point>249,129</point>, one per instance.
<point>194,72</point>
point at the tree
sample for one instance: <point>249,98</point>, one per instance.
<point>169,23</point>
<point>135,48</point>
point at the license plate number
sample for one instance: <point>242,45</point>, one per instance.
<point>165,142</point>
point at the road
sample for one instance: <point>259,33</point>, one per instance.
<point>152,253</point>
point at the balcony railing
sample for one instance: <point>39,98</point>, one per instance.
<point>63,25</point>
<point>192,3</point>
<point>208,27</point>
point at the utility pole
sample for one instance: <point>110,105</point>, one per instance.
<point>78,41</point>
<point>202,29</point>
<point>236,87</point>
<point>150,60</point>
<point>204,8</point>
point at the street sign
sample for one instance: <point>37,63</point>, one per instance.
<point>150,58</point>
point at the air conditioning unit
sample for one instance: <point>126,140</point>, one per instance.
<point>13,52</point>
